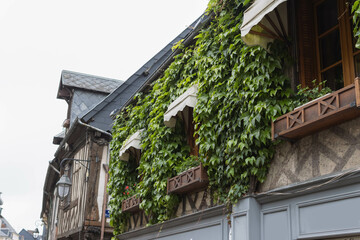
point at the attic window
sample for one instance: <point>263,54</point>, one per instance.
<point>187,99</point>
<point>131,146</point>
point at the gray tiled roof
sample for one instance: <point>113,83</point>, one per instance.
<point>99,116</point>
<point>7,225</point>
<point>89,82</point>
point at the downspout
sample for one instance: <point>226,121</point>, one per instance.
<point>105,198</point>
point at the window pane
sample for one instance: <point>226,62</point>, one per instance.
<point>330,51</point>
<point>333,77</point>
<point>357,65</point>
<point>327,15</point>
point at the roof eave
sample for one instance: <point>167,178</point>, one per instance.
<point>187,41</point>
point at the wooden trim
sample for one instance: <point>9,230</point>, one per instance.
<point>357,91</point>
<point>331,66</point>
<point>309,37</point>
<point>69,233</point>
<point>269,31</point>
<point>131,204</point>
<point>356,52</point>
<point>320,113</point>
<point>317,45</point>
<point>96,224</point>
<point>188,181</point>
<point>72,204</point>
<point>346,42</point>
<point>268,18</point>
<point>280,23</point>
<point>95,156</point>
<point>327,32</point>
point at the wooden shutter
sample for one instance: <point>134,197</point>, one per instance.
<point>307,44</point>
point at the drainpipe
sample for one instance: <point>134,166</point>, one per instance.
<point>103,220</point>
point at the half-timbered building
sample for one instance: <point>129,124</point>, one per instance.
<point>83,156</point>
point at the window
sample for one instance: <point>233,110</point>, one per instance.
<point>182,108</point>
<point>326,49</point>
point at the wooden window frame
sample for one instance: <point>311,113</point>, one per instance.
<point>307,72</point>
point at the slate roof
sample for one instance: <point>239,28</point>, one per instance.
<point>7,224</point>
<point>27,235</point>
<point>99,116</point>
<point>89,82</point>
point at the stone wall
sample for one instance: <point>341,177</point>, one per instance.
<point>332,150</point>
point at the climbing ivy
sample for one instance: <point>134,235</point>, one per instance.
<point>241,90</point>
<point>355,10</point>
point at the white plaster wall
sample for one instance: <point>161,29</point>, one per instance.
<point>101,187</point>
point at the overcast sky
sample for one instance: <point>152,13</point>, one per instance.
<point>38,39</point>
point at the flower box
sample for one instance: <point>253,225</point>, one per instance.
<point>319,114</point>
<point>188,181</point>
<point>131,204</point>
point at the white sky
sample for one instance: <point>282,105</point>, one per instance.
<point>38,39</point>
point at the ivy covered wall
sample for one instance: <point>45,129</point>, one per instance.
<point>242,90</point>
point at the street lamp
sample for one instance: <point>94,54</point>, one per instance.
<point>36,233</point>
<point>63,187</point>
<point>64,184</point>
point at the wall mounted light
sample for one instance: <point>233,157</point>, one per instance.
<point>64,184</point>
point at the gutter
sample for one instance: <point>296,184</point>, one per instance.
<point>94,128</point>
<point>167,62</point>
<point>72,129</point>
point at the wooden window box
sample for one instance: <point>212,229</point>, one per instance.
<point>319,114</point>
<point>190,180</point>
<point>131,204</point>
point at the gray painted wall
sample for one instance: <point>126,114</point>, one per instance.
<point>324,214</point>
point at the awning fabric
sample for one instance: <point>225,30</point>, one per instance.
<point>254,15</point>
<point>187,99</point>
<point>133,141</point>
<point>256,12</point>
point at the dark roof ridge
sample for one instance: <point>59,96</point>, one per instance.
<point>90,75</point>
<point>76,80</point>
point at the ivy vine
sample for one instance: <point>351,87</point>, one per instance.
<point>241,90</point>
<point>355,10</point>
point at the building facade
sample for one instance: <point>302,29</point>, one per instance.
<point>311,189</point>
<point>82,156</point>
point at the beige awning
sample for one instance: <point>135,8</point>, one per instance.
<point>134,141</point>
<point>263,23</point>
<point>187,99</point>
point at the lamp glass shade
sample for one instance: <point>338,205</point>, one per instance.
<point>63,186</point>
<point>36,233</point>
